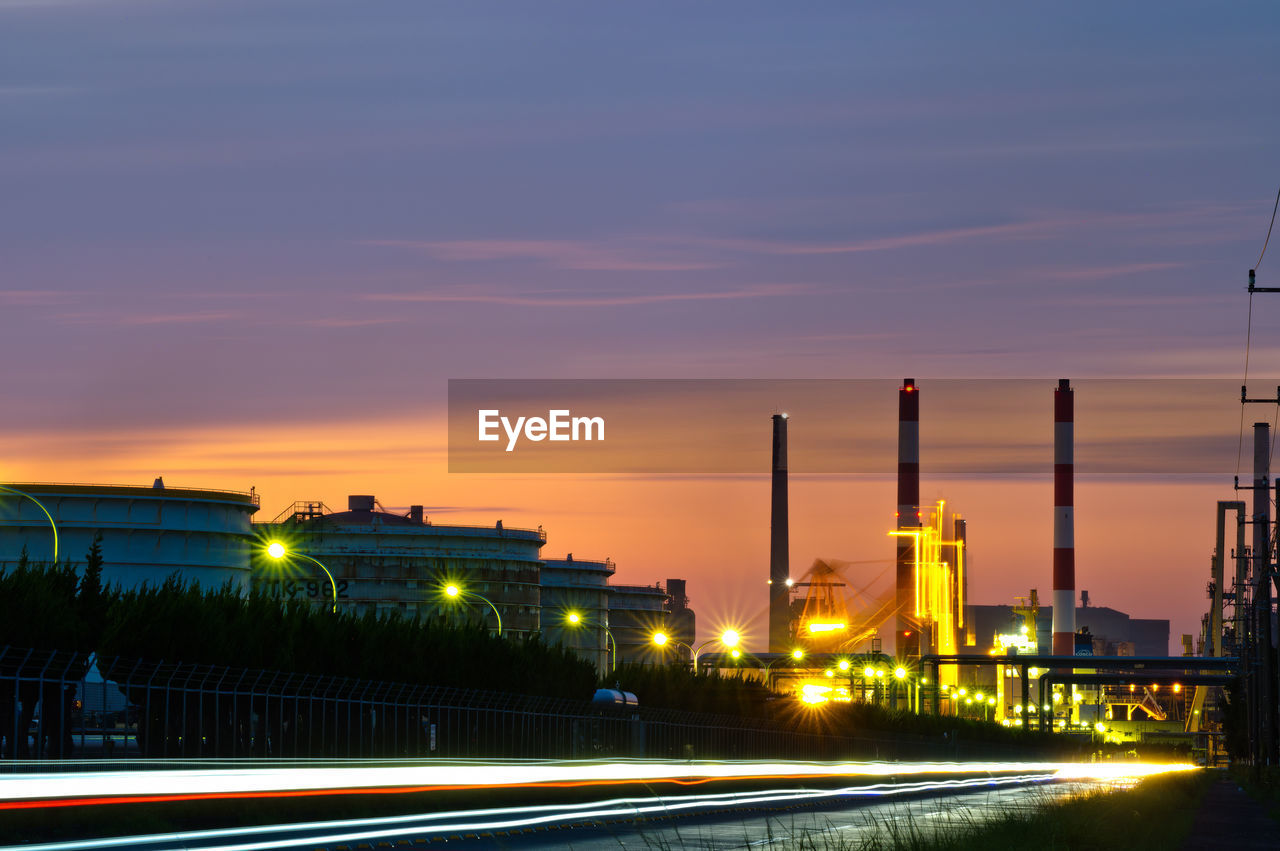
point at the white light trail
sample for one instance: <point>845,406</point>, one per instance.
<point>250,780</point>
<point>517,818</point>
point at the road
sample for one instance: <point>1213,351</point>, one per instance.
<point>582,805</point>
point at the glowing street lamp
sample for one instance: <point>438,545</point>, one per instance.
<point>454,592</point>
<point>40,505</point>
<point>574,619</point>
<point>278,551</point>
<point>730,638</point>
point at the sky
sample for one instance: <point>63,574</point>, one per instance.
<point>249,243</point>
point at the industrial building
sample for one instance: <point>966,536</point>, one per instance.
<point>575,607</point>
<point>380,561</point>
<point>384,561</point>
<point>1113,633</point>
<point>636,612</point>
<point>148,533</point>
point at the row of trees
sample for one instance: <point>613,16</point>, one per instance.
<point>62,608</point>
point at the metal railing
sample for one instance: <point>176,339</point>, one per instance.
<point>57,705</point>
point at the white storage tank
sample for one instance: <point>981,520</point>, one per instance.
<point>148,533</point>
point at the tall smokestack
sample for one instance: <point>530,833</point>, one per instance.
<point>907,636</point>
<point>1064,524</point>
<point>779,544</point>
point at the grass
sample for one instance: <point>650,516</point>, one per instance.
<point>1262,784</point>
<point>1158,813</point>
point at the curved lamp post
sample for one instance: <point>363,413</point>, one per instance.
<point>794,656</point>
<point>278,551</point>
<point>661,639</point>
<point>729,638</point>
<point>40,505</point>
<point>454,592</point>
<point>575,620</point>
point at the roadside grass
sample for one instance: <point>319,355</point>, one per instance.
<point>1262,784</point>
<point>1157,813</point>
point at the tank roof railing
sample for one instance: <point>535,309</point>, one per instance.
<point>251,495</point>
<point>312,509</point>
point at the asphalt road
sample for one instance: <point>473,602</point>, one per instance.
<point>639,804</point>
<point>825,828</point>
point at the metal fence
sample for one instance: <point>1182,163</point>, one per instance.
<point>57,705</point>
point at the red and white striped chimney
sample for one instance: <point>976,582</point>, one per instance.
<point>1064,525</point>
<point>907,636</point>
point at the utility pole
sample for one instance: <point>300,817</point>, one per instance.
<point>1265,679</point>
<point>1260,677</point>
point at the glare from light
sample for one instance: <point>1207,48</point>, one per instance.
<point>660,638</point>
<point>869,672</point>
<point>275,549</point>
<point>843,664</point>
<point>900,672</point>
<point>730,638</point>
<point>574,618</point>
<point>797,654</point>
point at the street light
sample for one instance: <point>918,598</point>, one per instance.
<point>575,620</point>
<point>277,551</point>
<point>454,591</point>
<point>729,638</point>
<point>40,505</point>
<point>795,656</point>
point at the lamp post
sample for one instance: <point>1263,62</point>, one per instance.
<point>453,592</point>
<point>40,505</point>
<point>900,675</point>
<point>661,639</point>
<point>574,619</point>
<point>729,638</point>
<point>794,656</point>
<point>278,551</point>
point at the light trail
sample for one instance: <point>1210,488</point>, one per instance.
<point>31,791</point>
<point>519,818</point>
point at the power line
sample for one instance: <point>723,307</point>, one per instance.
<point>1269,227</point>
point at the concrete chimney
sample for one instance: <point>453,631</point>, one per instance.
<point>779,544</point>
<point>907,633</point>
<point>1064,524</point>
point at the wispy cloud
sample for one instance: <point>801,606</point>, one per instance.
<point>335,322</point>
<point>616,300</point>
<point>180,318</point>
<point>1098,273</point>
<point>561,254</point>
<point>33,298</point>
<point>118,318</point>
<point>884,243</point>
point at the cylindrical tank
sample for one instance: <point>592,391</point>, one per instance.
<point>148,533</point>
